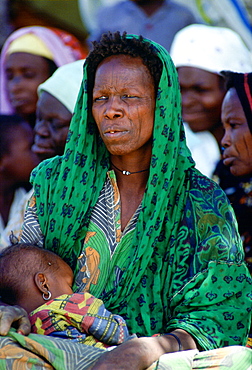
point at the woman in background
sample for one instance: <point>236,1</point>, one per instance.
<point>234,173</point>
<point>29,56</point>
<point>200,52</point>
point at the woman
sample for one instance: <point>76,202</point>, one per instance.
<point>55,106</point>
<point>29,57</point>
<point>140,227</point>
<point>234,173</point>
<point>200,52</point>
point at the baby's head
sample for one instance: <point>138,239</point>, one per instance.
<point>30,275</point>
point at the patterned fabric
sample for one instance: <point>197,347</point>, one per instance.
<point>80,317</point>
<point>211,289</point>
<point>239,192</point>
<point>38,352</point>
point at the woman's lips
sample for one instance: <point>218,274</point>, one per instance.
<point>114,134</point>
<point>228,161</point>
<point>19,102</point>
<point>43,150</point>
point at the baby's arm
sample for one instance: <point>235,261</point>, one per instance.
<point>98,321</point>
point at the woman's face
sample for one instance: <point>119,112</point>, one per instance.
<point>202,95</point>
<point>237,139</point>
<point>124,104</point>
<point>24,72</point>
<point>51,129</point>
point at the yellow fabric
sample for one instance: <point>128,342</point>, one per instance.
<point>30,43</point>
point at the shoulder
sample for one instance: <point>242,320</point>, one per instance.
<point>207,199</point>
<point>120,6</point>
<point>202,183</point>
<point>177,6</point>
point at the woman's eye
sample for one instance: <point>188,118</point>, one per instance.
<point>29,74</point>
<point>233,125</point>
<point>9,76</point>
<point>128,96</point>
<point>100,98</point>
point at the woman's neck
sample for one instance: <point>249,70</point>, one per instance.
<point>151,6</point>
<point>131,186</point>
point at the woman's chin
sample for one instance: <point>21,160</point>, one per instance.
<point>240,170</point>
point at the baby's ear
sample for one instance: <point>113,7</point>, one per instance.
<point>41,280</point>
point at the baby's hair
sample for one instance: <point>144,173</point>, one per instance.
<point>18,263</point>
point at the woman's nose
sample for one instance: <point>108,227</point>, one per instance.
<point>187,98</point>
<point>42,128</point>
<point>225,141</point>
<point>15,84</point>
<point>113,108</point>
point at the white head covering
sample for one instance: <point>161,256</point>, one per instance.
<point>65,84</point>
<point>210,48</point>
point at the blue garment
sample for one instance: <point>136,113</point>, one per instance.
<point>128,16</point>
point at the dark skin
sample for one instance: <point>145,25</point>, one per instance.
<point>51,128</point>
<point>202,94</point>
<point>123,108</point>
<point>149,6</point>
<point>57,281</point>
<point>16,166</point>
<point>237,140</point>
<point>24,72</point>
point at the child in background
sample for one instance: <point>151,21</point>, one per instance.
<point>41,282</point>
<point>17,160</point>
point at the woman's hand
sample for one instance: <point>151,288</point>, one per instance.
<point>16,315</point>
<point>140,353</point>
<point>137,353</point>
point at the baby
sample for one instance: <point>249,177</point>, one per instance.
<point>41,282</point>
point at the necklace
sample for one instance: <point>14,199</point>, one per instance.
<point>128,172</point>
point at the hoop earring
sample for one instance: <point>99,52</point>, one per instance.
<point>48,297</point>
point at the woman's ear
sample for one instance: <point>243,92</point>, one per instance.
<point>41,280</point>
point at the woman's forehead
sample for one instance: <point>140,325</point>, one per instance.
<point>122,66</point>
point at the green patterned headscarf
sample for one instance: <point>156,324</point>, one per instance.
<point>67,187</point>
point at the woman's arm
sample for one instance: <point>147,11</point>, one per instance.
<point>140,353</point>
<point>14,315</point>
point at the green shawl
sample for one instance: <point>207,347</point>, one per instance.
<point>68,187</point>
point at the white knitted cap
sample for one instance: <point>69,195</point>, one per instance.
<point>210,48</point>
<point>65,84</point>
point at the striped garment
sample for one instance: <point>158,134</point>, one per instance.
<point>80,317</point>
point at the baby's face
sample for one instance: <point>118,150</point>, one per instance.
<point>61,281</point>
